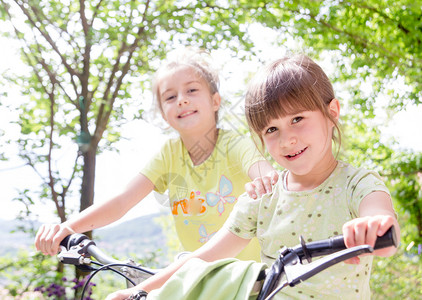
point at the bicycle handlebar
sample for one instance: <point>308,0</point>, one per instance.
<point>86,246</point>
<point>290,260</point>
<point>336,243</point>
<point>79,248</point>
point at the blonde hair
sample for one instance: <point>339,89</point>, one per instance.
<point>285,86</point>
<point>197,59</point>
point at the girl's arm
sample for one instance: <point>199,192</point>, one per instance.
<point>49,236</point>
<point>263,176</point>
<point>223,244</point>
<point>376,217</point>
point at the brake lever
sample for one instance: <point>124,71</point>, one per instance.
<point>77,255</point>
<point>296,272</point>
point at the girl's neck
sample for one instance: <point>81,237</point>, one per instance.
<point>200,146</point>
<point>308,182</point>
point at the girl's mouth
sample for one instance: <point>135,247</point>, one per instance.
<point>186,114</point>
<point>296,155</point>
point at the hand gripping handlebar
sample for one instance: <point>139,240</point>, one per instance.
<point>290,260</point>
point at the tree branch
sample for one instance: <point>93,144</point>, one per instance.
<point>104,113</point>
<point>360,40</point>
<point>94,16</point>
<point>86,56</point>
<point>381,13</point>
<point>50,41</point>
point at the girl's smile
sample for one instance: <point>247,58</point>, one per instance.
<point>187,102</point>
<point>187,114</point>
<point>296,155</point>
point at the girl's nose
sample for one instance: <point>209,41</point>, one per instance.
<point>287,138</point>
<point>182,99</point>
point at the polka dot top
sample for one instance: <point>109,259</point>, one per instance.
<point>278,219</point>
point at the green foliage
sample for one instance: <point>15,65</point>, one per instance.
<point>382,39</point>
<point>397,277</point>
<point>36,275</point>
<point>407,190</point>
<point>25,271</point>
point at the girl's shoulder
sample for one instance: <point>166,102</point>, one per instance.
<point>354,175</point>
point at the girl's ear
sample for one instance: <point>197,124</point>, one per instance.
<point>216,101</point>
<point>334,109</point>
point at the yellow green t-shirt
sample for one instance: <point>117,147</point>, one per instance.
<point>278,219</point>
<point>202,197</point>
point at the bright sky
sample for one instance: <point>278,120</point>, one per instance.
<point>114,170</point>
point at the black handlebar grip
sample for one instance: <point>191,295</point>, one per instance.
<point>65,241</point>
<point>73,240</point>
<point>387,240</point>
<point>336,243</point>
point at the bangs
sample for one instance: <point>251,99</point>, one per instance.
<point>281,90</point>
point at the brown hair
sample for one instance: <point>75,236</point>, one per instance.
<point>285,86</point>
<point>197,59</point>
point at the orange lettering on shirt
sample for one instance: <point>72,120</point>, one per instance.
<point>183,204</point>
<point>192,206</point>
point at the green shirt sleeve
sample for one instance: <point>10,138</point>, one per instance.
<point>243,219</point>
<point>362,184</point>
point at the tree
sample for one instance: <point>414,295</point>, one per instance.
<point>86,59</point>
<point>382,38</point>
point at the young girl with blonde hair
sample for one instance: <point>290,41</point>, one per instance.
<point>204,170</point>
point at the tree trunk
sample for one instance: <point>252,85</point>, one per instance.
<point>87,190</point>
<point>88,178</point>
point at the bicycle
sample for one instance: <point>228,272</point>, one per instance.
<point>77,250</point>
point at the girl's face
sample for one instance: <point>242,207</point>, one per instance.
<point>301,141</point>
<point>186,101</point>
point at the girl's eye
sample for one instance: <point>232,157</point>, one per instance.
<point>271,129</point>
<point>192,90</point>
<point>297,119</point>
<point>170,98</point>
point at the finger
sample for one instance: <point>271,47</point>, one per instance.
<point>274,177</point>
<point>385,224</point>
<point>250,189</point>
<point>360,232</point>
<point>259,187</point>
<point>43,239</point>
<point>267,186</point>
<point>49,239</point>
<point>59,236</point>
<point>38,236</point>
<point>348,235</point>
<point>371,232</point>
